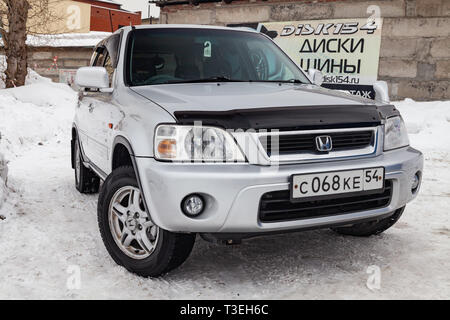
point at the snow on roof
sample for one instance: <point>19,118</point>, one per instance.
<point>90,39</point>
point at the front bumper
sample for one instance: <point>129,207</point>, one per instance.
<point>233,191</point>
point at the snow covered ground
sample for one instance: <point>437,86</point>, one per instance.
<point>48,231</point>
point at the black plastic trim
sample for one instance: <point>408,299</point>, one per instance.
<point>223,237</point>
<point>291,118</point>
<point>122,140</point>
<point>299,210</point>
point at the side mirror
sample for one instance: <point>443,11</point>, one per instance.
<point>92,78</point>
<point>381,91</point>
<point>316,76</point>
<point>272,34</point>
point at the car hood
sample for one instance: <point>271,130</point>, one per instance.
<point>264,105</point>
<point>243,95</point>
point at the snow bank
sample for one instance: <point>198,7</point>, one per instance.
<point>33,114</point>
<point>2,195</point>
<point>3,176</point>
<point>12,101</point>
<point>428,125</point>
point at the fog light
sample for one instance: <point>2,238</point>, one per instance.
<point>193,205</point>
<point>415,182</point>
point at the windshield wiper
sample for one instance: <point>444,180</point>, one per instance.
<point>226,79</point>
<point>209,79</point>
<point>296,81</point>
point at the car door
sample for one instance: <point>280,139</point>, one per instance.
<point>85,120</point>
<point>100,113</point>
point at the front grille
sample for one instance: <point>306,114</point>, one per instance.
<point>302,143</point>
<point>276,206</point>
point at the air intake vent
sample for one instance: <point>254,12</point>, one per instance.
<point>276,206</point>
<point>306,143</point>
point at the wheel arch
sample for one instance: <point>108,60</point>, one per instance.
<point>122,154</point>
<point>121,145</point>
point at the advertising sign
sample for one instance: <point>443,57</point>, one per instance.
<point>345,50</point>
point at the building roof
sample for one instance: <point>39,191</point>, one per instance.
<point>90,39</point>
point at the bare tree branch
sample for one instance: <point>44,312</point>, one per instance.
<point>18,19</point>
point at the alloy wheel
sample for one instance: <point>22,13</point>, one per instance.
<point>131,227</point>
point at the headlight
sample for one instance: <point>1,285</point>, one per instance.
<point>195,143</point>
<point>395,134</point>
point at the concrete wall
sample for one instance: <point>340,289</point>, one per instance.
<point>415,47</point>
<point>41,59</point>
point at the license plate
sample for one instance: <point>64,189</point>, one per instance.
<point>337,182</point>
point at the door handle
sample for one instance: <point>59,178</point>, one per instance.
<point>91,108</point>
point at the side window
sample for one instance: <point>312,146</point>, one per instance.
<point>108,64</point>
<point>93,59</point>
<point>103,59</point>
<point>113,47</point>
<point>100,59</point>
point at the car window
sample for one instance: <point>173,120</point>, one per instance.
<point>266,63</point>
<point>176,55</point>
<point>113,46</point>
<point>103,59</point>
<point>100,59</point>
<point>146,65</point>
<point>108,64</point>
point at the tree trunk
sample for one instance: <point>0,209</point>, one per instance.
<point>15,44</point>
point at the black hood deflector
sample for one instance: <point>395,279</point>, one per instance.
<point>291,118</point>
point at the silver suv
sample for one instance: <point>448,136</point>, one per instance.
<point>216,131</point>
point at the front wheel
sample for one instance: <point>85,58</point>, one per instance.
<point>370,228</point>
<point>129,234</point>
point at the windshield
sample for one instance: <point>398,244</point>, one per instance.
<point>180,55</point>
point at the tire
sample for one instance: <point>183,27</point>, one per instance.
<point>86,181</point>
<point>370,228</point>
<point>130,237</point>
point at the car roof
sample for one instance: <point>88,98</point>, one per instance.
<point>187,26</point>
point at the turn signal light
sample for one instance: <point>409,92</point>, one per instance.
<point>168,148</point>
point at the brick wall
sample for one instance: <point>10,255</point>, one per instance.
<point>103,19</point>
<point>415,46</point>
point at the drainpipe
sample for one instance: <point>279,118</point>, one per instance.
<point>110,20</point>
